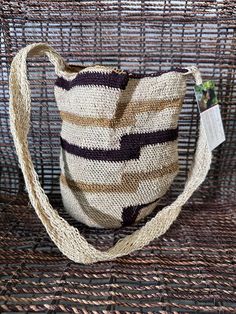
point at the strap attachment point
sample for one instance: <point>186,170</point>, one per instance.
<point>196,74</point>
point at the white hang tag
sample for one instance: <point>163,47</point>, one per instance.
<point>212,122</point>
<point>210,113</point>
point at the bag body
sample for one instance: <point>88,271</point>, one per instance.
<point>119,137</point>
<point>118,151</point>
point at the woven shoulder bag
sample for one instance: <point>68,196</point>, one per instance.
<point>118,153</point>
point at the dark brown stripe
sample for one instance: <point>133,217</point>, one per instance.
<point>105,220</point>
<point>112,79</point>
<point>130,214</point>
<point>130,146</point>
<point>157,73</point>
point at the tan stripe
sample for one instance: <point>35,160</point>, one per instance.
<point>102,219</point>
<point>129,182</point>
<point>125,113</point>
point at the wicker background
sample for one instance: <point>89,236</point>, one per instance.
<point>191,268</point>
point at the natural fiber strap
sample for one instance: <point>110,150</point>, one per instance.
<point>67,238</point>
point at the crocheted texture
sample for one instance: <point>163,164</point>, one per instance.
<point>66,237</point>
<point>118,142</point>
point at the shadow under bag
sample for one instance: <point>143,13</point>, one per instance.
<point>118,154</point>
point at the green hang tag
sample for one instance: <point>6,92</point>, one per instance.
<point>206,95</point>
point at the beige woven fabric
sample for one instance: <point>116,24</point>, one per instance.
<point>121,129</point>
<point>158,178</point>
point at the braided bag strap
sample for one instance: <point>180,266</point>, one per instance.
<point>66,237</point>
